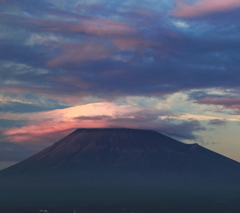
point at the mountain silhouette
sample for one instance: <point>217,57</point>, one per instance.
<point>125,149</point>
<point>119,166</point>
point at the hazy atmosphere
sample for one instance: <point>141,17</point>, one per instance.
<point>165,65</point>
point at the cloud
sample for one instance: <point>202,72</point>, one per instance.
<point>76,53</point>
<point>227,102</point>
<point>135,42</point>
<point>199,94</point>
<point>153,119</point>
<point>184,130</point>
<point>218,122</point>
<point>133,55</point>
<point>50,126</point>
<point>53,123</point>
<point>97,27</point>
<point>6,123</point>
<point>122,35</point>
<point>203,7</point>
<point>22,107</point>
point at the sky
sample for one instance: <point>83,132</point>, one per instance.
<point>166,65</point>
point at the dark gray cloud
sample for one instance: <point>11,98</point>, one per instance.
<point>27,103</point>
<point>184,130</point>
<point>231,102</point>
<point>5,123</point>
<point>21,107</point>
<point>94,118</point>
<point>218,122</point>
<point>151,119</point>
<point>198,95</point>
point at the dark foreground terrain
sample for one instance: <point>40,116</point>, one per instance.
<point>122,171</point>
<point>218,195</point>
<point>145,200</point>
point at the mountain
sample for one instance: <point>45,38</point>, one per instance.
<point>125,149</point>
<point>120,167</point>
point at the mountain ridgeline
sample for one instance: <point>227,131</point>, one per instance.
<point>122,167</point>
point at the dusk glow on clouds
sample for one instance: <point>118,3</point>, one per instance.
<point>171,66</point>
<point>42,125</point>
<point>203,7</point>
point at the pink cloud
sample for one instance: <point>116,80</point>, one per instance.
<point>42,124</point>
<point>15,90</point>
<point>231,103</point>
<point>92,51</point>
<point>122,35</point>
<point>204,7</point>
<point>96,27</point>
<point>134,43</point>
<point>106,28</point>
<point>75,98</point>
<point>50,126</point>
<point>37,133</point>
<point>75,53</point>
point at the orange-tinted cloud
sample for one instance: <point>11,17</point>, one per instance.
<point>204,7</point>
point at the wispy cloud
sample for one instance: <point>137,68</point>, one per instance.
<point>203,7</point>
